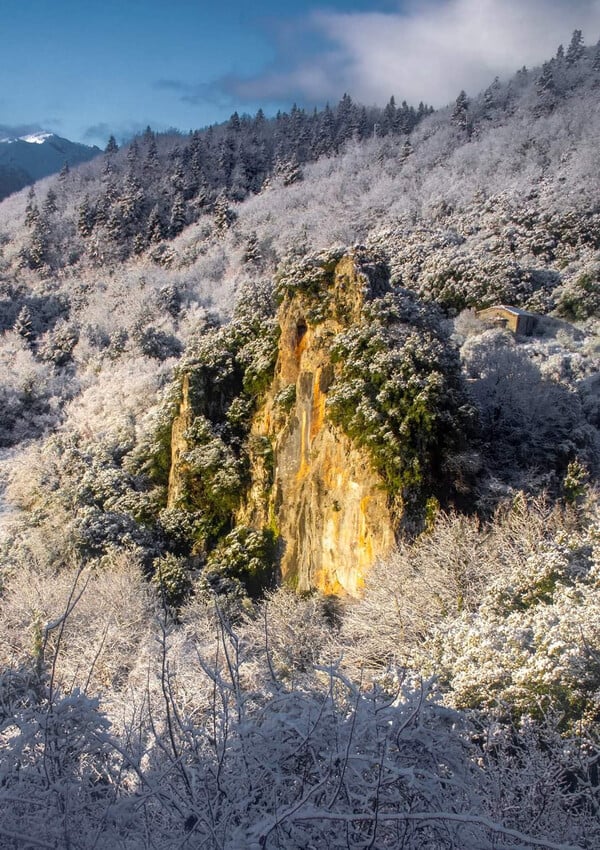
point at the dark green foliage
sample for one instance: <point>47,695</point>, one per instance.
<point>312,278</point>
<point>171,578</point>
<point>581,300</point>
<point>252,253</point>
<point>227,370</point>
<point>216,476</point>
<point>398,394</point>
<point>286,398</point>
<point>151,457</point>
<point>156,343</point>
<point>180,529</point>
<point>244,557</point>
<point>574,483</point>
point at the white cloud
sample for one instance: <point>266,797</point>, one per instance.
<point>427,51</point>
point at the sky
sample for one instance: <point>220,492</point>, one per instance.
<point>86,69</point>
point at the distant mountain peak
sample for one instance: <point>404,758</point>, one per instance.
<point>29,153</point>
<point>37,138</point>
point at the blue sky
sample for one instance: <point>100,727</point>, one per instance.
<point>88,69</point>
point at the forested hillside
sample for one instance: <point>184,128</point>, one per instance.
<point>176,316</point>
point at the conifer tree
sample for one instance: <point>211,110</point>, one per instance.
<point>111,146</point>
<point>23,325</point>
<point>224,215</point>
<point>133,155</point>
<point>178,218</point>
<point>50,205</point>
<point>546,88</point>
<point>234,123</point>
<point>139,244</point>
<point>151,161</point>
<point>85,218</point>
<point>575,49</point>
<point>155,227</point>
<point>460,115</point>
<point>32,212</point>
<point>596,60</point>
<point>252,255</point>
<point>36,254</point>
<point>389,119</point>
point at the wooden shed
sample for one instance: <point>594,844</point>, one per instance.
<point>517,320</point>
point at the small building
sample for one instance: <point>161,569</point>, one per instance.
<point>516,320</point>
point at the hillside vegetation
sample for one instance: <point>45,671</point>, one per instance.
<point>159,685</point>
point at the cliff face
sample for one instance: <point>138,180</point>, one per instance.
<point>293,472</point>
<point>179,445</point>
<point>318,491</point>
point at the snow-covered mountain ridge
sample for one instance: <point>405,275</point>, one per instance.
<point>29,156</point>
<point>32,138</point>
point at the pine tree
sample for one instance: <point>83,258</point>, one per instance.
<point>489,95</point>
<point>115,225</point>
<point>37,252</point>
<point>178,218</point>
<point>389,119</point>
<point>546,88</point>
<point>139,244</point>
<point>596,60</point>
<point>23,325</point>
<point>575,49</point>
<point>85,218</point>
<point>151,162</point>
<point>224,215</point>
<point>133,155</point>
<point>347,120</point>
<point>32,212</point>
<point>324,136</point>
<point>407,149</point>
<point>50,205</point>
<point>460,115</point>
<point>252,255</point>
<point>406,118</point>
<point>178,178</point>
<point>111,146</point>
<point>64,172</point>
<point>363,128</point>
<point>234,123</point>
<point>155,227</point>
<point>226,159</point>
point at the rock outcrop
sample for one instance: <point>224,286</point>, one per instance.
<point>309,481</point>
<point>327,427</point>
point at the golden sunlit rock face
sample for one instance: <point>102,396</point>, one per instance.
<point>315,489</point>
<point>179,445</point>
